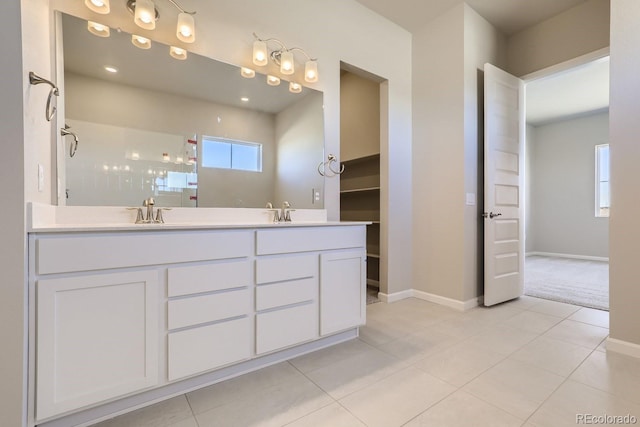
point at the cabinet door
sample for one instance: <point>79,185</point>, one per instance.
<point>343,290</point>
<point>97,339</point>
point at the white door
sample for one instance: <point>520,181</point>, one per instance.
<point>503,186</point>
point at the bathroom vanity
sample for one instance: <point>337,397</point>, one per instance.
<point>123,315</point>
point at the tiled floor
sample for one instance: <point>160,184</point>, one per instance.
<point>529,362</point>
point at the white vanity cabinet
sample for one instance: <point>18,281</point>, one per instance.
<point>97,338</point>
<point>120,318</point>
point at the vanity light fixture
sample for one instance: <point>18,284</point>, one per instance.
<point>295,87</point>
<point>283,57</point>
<point>98,6</point>
<point>247,73</point>
<point>98,29</point>
<point>273,80</point>
<point>178,53</point>
<point>145,15</point>
<point>141,42</point>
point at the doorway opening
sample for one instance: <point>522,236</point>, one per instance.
<point>567,184</point>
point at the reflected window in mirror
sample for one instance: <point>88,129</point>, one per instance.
<point>226,154</point>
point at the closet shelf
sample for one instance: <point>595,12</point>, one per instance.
<point>360,190</point>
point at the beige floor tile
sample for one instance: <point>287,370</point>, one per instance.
<point>530,321</point>
<point>573,399</point>
<point>554,308</point>
<point>274,406</point>
<point>169,413</point>
<point>493,314</point>
<point>381,331</point>
<point>552,355</point>
<point>462,410</point>
<point>416,346</point>
<point>461,363</point>
<point>524,302</point>
<point>356,372</point>
<point>462,327</point>
<point>582,334</point>
<point>396,399</point>
<point>592,317</point>
<point>503,339</point>
<point>327,356</point>
<point>333,415</point>
<point>613,373</point>
<point>515,387</point>
<point>227,391</point>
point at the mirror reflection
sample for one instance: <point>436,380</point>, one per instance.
<point>191,132</point>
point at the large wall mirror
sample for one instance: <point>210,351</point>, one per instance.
<point>190,132</point>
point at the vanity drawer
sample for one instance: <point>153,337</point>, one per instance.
<point>98,251</point>
<point>286,268</point>
<point>206,278</point>
<point>208,347</point>
<point>283,328</point>
<point>292,292</point>
<point>308,239</point>
<point>208,308</point>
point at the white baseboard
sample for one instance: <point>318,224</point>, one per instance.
<point>571,256</point>
<point>623,347</point>
<point>396,296</point>
<point>448,302</point>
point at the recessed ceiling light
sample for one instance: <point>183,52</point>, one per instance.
<point>244,99</point>
<point>110,69</point>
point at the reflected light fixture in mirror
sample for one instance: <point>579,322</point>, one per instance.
<point>98,6</point>
<point>273,80</point>
<point>141,42</point>
<point>98,29</point>
<point>247,73</point>
<point>283,57</point>
<point>295,87</point>
<point>178,53</point>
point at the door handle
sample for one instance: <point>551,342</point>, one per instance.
<point>490,215</point>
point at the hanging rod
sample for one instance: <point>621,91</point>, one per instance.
<point>50,110</point>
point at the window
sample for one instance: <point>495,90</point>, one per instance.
<point>228,154</point>
<point>603,198</point>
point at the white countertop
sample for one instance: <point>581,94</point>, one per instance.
<point>56,219</point>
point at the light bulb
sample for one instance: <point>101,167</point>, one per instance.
<point>98,29</point>
<point>178,53</point>
<point>286,63</point>
<point>260,53</point>
<point>186,30</point>
<point>311,71</point>
<point>98,6</point>
<point>145,14</point>
<point>141,42</point>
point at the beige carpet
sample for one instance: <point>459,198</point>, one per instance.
<point>574,281</point>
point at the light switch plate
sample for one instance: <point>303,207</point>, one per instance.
<point>471,199</point>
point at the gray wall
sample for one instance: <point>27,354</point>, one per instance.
<point>624,243</point>
<point>562,196</point>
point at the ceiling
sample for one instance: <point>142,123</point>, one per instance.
<point>509,16</point>
<point>567,94</point>
<point>575,92</point>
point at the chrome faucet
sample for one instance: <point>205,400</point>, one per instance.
<point>149,203</point>
<point>149,218</point>
<point>276,213</point>
<point>285,214</point>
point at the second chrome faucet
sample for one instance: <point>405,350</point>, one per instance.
<point>149,218</point>
<point>281,215</point>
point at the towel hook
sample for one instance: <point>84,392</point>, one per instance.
<point>50,110</point>
<point>330,164</point>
